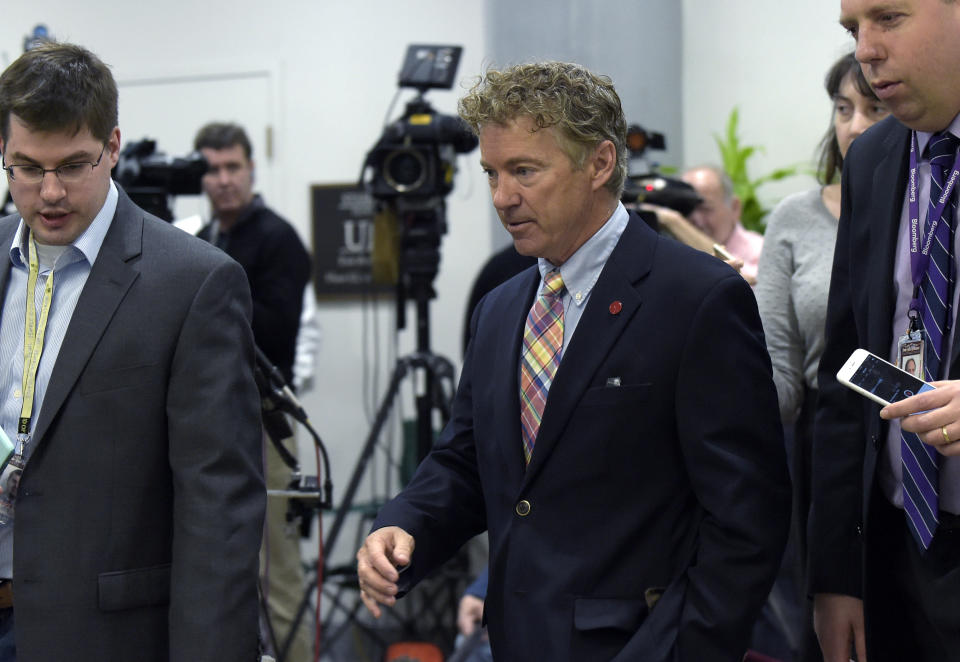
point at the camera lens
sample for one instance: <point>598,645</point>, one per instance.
<point>405,170</point>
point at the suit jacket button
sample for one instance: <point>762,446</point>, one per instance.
<point>523,508</point>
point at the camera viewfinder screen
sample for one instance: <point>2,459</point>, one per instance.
<point>885,381</point>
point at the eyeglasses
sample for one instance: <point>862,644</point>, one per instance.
<point>68,173</point>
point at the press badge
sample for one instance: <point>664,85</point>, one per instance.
<point>10,482</point>
<point>910,352</point>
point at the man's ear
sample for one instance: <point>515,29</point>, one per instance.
<point>737,206</point>
<point>603,161</point>
<point>113,147</point>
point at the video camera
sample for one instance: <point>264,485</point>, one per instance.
<point>150,177</point>
<point>409,171</point>
<point>649,186</point>
<point>415,156</point>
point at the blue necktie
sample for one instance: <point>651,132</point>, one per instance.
<point>920,462</point>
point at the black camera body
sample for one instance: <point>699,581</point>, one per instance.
<point>650,186</point>
<point>656,189</point>
<point>416,155</point>
<point>149,177</point>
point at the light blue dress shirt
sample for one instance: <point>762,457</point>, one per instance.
<point>70,270</point>
<point>582,269</point>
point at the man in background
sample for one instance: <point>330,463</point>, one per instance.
<point>278,268</point>
<point>126,374</point>
<point>719,216</point>
<point>266,246</point>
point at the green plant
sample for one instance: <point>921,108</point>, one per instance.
<point>735,156</point>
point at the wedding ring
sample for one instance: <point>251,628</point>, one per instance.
<point>946,437</point>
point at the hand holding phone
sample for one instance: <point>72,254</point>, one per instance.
<point>722,253</point>
<point>879,380</point>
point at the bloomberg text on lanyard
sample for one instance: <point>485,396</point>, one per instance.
<point>911,345</point>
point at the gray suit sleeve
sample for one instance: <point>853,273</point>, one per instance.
<point>215,454</point>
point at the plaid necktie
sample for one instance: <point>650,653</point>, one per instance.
<point>542,345</point>
<point>920,462</point>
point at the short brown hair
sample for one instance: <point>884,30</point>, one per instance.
<point>223,135</point>
<point>583,106</point>
<point>59,87</point>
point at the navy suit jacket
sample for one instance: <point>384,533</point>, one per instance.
<point>849,433</point>
<point>140,510</point>
<point>659,468</point>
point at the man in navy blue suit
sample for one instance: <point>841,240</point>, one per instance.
<point>884,528</point>
<point>640,512</point>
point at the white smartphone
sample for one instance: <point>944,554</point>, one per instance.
<point>879,380</point>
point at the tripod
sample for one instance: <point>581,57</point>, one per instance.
<point>421,228</point>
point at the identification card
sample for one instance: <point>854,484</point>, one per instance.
<point>9,483</point>
<point>910,353</point>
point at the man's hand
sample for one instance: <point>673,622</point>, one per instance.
<point>383,552</point>
<point>469,614</point>
<point>838,622</point>
<point>939,424</point>
<point>678,227</point>
<point>737,265</point>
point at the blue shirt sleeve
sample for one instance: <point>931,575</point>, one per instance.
<point>479,586</point>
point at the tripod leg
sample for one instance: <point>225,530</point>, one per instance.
<point>399,372</point>
<point>439,374</point>
<point>443,385</point>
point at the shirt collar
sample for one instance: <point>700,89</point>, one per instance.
<point>86,246</point>
<point>256,203</point>
<point>923,137</point>
<point>582,269</point>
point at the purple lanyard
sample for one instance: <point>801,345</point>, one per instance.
<point>920,256</point>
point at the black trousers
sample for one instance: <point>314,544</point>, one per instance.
<point>911,597</point>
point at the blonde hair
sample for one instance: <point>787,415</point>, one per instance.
<point>584,108</point>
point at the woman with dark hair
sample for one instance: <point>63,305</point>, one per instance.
<point>793,282</point>
<point>798,249</point>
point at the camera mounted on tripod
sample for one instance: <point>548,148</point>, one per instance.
<point>410,170</point>
<point>416,155</point>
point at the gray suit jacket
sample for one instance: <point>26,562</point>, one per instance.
<point>140,510</point>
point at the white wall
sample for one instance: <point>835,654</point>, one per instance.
<point>768,58</point>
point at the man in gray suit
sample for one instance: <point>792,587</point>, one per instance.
<point>126,375</point>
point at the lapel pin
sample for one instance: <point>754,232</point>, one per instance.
<point>615,308</point>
